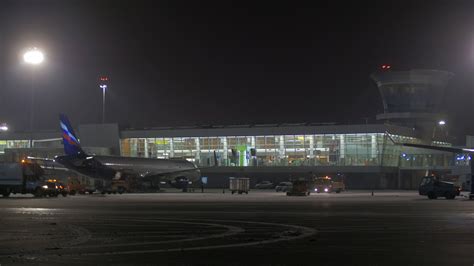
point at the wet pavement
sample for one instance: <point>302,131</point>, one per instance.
<point>264,228</point>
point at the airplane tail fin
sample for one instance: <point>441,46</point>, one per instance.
<point>70,141</point>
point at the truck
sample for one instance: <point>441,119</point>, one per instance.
<point>80,184</point>
<point>21,177</point>
<point>326,184</point>
<point>301,187</point>
<point>239,185</point>
<point>433,188</point>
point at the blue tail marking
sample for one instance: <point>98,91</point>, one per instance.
<point>70,141</point>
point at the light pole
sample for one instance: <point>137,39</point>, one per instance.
<point>33,57</point>
<point>103,86</point>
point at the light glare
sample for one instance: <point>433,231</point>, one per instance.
<point>34,57</point>
<point>442,123</point>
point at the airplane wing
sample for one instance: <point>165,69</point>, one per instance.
<point>187,170</point>
<point>48,163</point>
<point>431,147</point>
<point>55,168</point>
<point>179,171</point>
<point>40,159</point>
<point>438,148</point>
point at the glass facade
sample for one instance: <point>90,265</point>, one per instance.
<point>364,149</point>
<point>361,149</point>
<point>13,144</point>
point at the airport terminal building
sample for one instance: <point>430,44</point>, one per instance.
<point>364,155</point>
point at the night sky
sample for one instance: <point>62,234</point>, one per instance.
<point>235,62</point>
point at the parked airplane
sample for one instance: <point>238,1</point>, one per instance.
<point>110,167</point>
<point>446,149</point>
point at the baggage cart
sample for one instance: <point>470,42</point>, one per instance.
<point>239,185</point>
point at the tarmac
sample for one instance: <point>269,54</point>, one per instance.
<point>215,228</point>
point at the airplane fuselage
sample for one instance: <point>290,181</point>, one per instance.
<point>109,167</point>
<point>148,166</point>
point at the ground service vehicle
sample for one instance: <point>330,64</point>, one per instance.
<point>182,183</point>
<point>326,184</point>
<point>300,188</point>
<point>120,186</point>
<point>264,185</point>
<point>22,178</point>
<point>80,184</point>
<point>55,188</point>
<point>283,186</point>
<point>62,188</point>
<point>125,183</point>
<point>433,188</point>
<point>239,185</point>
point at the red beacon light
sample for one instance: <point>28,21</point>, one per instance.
<point>104,78</point>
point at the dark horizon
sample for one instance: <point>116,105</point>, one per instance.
<point>172,64</point>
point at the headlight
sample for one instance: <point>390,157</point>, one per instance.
<point>56,187</point>
<point>316,189</point>
<point>326,189</point>
<point>45,186</point>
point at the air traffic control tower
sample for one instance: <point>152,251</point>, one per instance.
<point>413,98</point>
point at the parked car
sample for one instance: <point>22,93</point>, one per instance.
<point>284,187</point>
<point>264,185</point>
